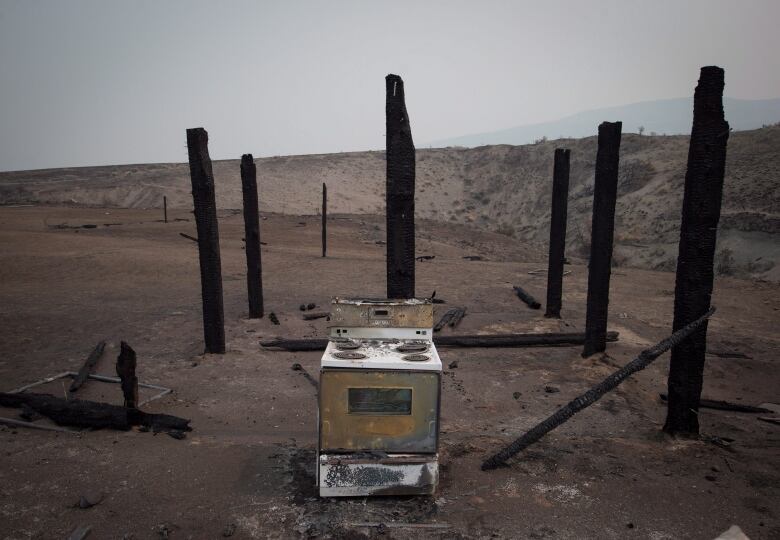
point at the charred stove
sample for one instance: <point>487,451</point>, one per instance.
<point>380,382</point>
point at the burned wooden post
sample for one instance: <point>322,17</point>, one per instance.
<point>399,192</point>
<point>254,269</point>
<point>208,239</point>
<point>125,368</point>
<point>602,234</point>
<point>560,197</point>
<point>88,367</point>
<point>165,209</point>
<point>324,219</point>
<point>698,232</point>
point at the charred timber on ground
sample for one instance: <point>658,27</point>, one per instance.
<point>202,179</point>
<point>602,235</point>
<point>523,295</point>
<point>88,367</point>
<point>594,394</point>
<point>724,405</point>
<point>254,269</point>
<point>399,192</point>
<point>698,233</point>
<point>491,340</point>
<point>91,414</point>
<point>556,257</point>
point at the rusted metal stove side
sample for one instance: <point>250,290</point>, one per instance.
<point>380,388</point>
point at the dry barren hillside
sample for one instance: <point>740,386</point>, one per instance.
<point>501,188</point>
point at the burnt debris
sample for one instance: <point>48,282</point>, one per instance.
<point>594,394</point>
<point>529,300</point>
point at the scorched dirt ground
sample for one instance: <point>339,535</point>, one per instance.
<point>247,468</point>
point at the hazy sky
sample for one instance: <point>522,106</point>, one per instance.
<point>105,82</point>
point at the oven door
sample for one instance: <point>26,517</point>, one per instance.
<point>381,410</point>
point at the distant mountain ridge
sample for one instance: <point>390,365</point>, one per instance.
<point>666,116</point>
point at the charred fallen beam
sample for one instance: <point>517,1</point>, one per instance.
<point>208,239</point>
<point>91,414</point>
<point>602,236</point>
<point>254,268</point>
<point>400,157</point>
<point>188,237</point>
<point>594,394</point>
<point>315,315</point>
<point>464,341</point>
<point>698,233</point>
<point>446,318</point>
<point>723,405</point>
<point>532,302</point>
<point>556,257</point>
<point>87,368</point>
<point>455,320</point>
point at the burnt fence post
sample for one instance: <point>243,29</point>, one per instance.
<point>254,268</point>
<point>208,239</point>
<point>698,232</point>
<point>165,209</point>
<point>556,257</point>
<point>602,236</point>
<point>399,192</point>
<point>324,219</point>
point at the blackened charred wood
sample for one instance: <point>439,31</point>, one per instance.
<point>254,269</point>
<point>464,341</point>
<point>698,233</point>
<point>297,367</point>
<point>556,257</point>
<point>457,317</point>
<point>203,197</point>
<point>422,258</point>
<point>125,369</point>
<point>315,315</point>
<point>165,209</point>
<point>594,394</point>
<point>88,367</point>
<point>324,219</point>
<point>724,405</point>
<point>532,302</point>
<point>91,414</point>
<point>188,237</point>
<point>446,318</point>
<point>400,157</point>
<point>602,236</point>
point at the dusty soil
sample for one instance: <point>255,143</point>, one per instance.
<point>495,188</point>
<point>247,469</point>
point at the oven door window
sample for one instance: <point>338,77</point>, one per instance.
<point>380,401</point>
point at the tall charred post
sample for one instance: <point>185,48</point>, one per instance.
<point>399,192</point>
<point>208,239</point>
<point>254,268</point>
<point>165,209</point>
<point>602,236</point>
<point>555,260</point>
<point>700,215</point>
<point>324,219</point>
